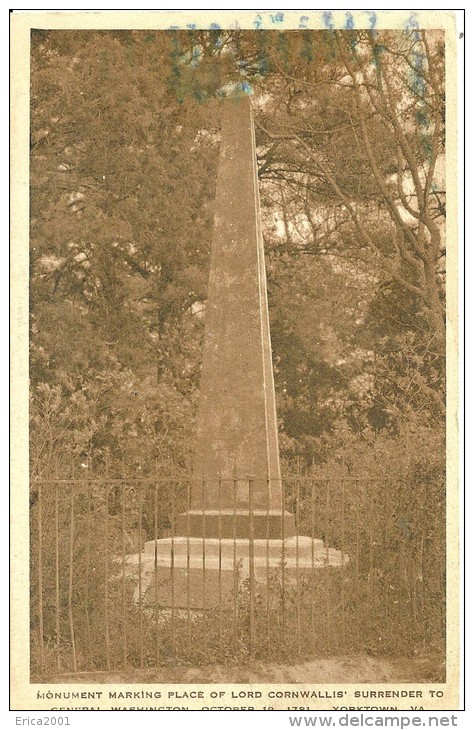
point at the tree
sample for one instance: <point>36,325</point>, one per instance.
<point>120,216</point>
<point>378,148</point>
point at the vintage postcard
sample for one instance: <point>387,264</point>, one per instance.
<point>235,380</point>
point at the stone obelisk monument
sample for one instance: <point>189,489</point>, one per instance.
<point>236,509</point>
<point>237,436</point>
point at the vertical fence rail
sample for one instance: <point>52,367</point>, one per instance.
<point>71,580</point>
<point>327,538</point>
<point>313,582</point>
<point>371,541</point>
<point>87,574</point>
<point>251,487</point>
<point>40,578</point>
<point>343,561</point>
<point>188,565</point>
<point>203,525</point>
<point>124,584</point>
<point>106,574</point>
<point>235,607</point>
<point>219,565</point>
<point>357,589</point>
<point>57,569</point>
<point>155,570</point>
<point>283,567</point>
<point>357,534</point>
<point>140,569</point>
<point>298,578</point>
<point>173,573</point>
<point>385,586</point>
<point>267,564</point>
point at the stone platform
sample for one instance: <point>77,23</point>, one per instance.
<point>196,573</point>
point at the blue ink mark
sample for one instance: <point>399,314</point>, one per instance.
<point>422,118</point>
<point>258,22</point>
<point>373,21</point>
<point>196,54</point>
<point>349,24</point>
<point>427,146</point>
<point>262,59</point>
<point>282,46</point>
<point>179,58</point>
<point>412,22</point>
<point>277,18</point>
<point>303,21</point>
<point>329,24</point>
<point>245,87</point>
<point>417,82</point>
<point>328,21</point>
<point>173,27</point>
<point>378,49</point>
<point>307,50</point>
<point>235,90</point>
<point>191,26</point>
<point>218,40</point>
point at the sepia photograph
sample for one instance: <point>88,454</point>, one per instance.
<point>239,254</point>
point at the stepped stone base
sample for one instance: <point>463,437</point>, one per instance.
<point>199,573</point>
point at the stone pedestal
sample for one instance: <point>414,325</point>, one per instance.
<point>196,573</point>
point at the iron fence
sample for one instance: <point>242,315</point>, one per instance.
<point>114,585</point>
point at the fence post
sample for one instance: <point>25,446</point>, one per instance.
<point>140,585</point>
<point>313,577</point>
<point>251,570</point>
<point>235,572</point>
<point>343,566</point>
<point>298,583</point>
<point>327,569</point>
<point>219,487</point>
<point>106,579</point>
<point>40,577</point>
<point>57,580</point>
<point>124,587</point>
<point>71,580</point>
<point>173,586</point>
<point>188,563</point>
<point>283,569</point>
<point>204,626</point>
<point>267,554</point>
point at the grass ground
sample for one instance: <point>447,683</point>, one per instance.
<point>338,670</point>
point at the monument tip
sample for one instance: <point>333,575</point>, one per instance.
<point>240,92</point>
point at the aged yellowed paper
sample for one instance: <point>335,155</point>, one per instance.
<point>235,379</point>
